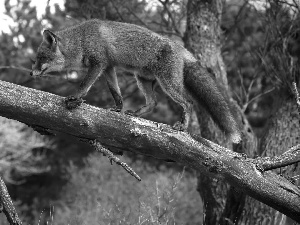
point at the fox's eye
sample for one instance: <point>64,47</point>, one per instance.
<point>42,59</point>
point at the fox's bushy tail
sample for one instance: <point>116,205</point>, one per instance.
<point>203,88</point>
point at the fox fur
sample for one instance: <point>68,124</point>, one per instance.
<point>100,46</point>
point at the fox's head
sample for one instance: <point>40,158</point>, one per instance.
<point>49,57</point>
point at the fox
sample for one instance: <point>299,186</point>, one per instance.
<point>102,46</point>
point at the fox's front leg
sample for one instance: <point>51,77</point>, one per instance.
<point>75,100</point>
<point>112,82</point>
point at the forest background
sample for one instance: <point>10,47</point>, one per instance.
<point>60,180</point>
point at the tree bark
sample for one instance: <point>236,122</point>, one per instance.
<point>7,206</point>
<point>282,130</point>
<point>203,39</point>
<point>141,136</point>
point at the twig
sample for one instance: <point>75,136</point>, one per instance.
<point>293,71</point>
<point>16,68</point>
<point>173,22</point>
<point>117,10</point>
<point>294,5</point>
<point>112,158</point>
<point>7,205</point>
<point>289,157</point>
<point>137,17</point>
<point>169,33</point>
<point>256,97</point>
<point>236,21</point>
<point>296,94</point>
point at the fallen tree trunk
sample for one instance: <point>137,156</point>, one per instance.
<point>116,130</point>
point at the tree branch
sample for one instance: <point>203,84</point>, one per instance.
<point>116,130</point>
<point>296,94</point>
<point>289,157</point>
<point>15,68</point>
<point>7,206</point>
<point>113,158</point>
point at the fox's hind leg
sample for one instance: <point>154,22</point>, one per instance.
<point>177,93</point>
<point>146,86</point>
<point>171,80</point>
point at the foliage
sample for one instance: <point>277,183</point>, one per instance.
<point>103,194</point>
<point>256,56</point>
<point>97,192</point>
<point>25,154</point>
<point>23,151</point>
<point>243,38</point>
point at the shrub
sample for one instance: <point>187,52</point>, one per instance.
<point>103,194</point>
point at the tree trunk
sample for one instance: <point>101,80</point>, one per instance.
<point>203,39</point>
<point>283,130</point>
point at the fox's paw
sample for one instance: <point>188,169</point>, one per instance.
<point>130,113</point>
<point>73,102</point>
<point>179,126</point>
<point>115,109</point>
<point>235,137</point>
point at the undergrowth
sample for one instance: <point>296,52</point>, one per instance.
<point>101,193</point>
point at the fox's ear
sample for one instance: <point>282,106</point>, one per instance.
<point>50,38</point>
